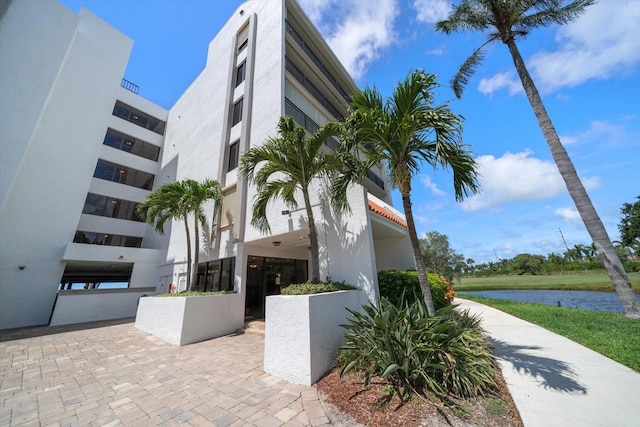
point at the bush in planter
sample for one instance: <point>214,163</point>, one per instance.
<point>195,294</point>
<point>446,354</point>
<point>309,288</point>
<point>396,283</point>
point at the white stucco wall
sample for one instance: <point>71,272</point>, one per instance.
<point>59,86</point>
<point>302,333</point>
<point>186,320</point>
<point>93,305</point>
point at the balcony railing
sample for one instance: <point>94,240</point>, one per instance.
<point>314,58</point>
<point>132,87</point>
<point>313,90</point>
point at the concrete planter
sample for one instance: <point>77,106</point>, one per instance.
<point>185,320</point>
<point>303,333</point>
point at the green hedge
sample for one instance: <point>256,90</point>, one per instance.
<point>309,288</point>
<point>194,294</point>
<point>394,282</point>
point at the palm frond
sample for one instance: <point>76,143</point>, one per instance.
<point>550,13</point>
<point>467,70</point>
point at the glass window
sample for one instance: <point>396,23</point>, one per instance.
<point>123,175</point>
<point>233,156</point>
<point>133,115</point>
<point>237,112</point>
<point>96,204</point>
<point>216,275</point>
<point>240,73</point>
<point>105,239</point>
<point>131,145</point>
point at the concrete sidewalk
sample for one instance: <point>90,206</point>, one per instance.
<point>555,381</point>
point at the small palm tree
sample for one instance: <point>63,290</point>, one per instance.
<point>405,130</point>
<point>508,20</point>
<point>177,201</point>
<point>289,163</point>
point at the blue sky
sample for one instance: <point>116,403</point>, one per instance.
<point>588,73</point>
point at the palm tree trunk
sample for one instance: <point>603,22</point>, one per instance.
<point>313,239</point>
<point>583,203</point>
<point>186,229</point>
<point>415,245</point>
<point>196,255</point>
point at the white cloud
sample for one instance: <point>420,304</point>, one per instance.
<point>506,80</point>
<point>316,8</point>
<point>430,185</point>
<point>570,215</point>
<point>603,42</point>
<point>357,31</point>
<point>598,130</point>
<point>517,177</point>
<point>432,11</point>
<point>514,177</point>
<point>436,52</point>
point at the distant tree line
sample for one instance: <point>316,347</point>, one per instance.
<point>440,258</point>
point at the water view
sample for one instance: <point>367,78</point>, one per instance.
<point>586,300</point>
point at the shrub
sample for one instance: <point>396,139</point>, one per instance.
<point>446,354</point>
<point>394,283</point>
<point>194,294</point>
<point>314,288</point>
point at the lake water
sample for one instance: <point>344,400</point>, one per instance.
<point>586,300</point>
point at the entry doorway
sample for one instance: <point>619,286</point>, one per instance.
<point>267,276</point>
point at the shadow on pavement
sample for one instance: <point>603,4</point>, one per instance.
<point>39,331</point>
<point>551,374</point>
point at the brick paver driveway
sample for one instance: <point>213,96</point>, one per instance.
<point>114,374</point>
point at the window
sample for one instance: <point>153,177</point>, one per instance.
<point>233,156</point>
<point>138,117</point>
<point>110,207</point>
<point>216,275</point>
<point>131,145</point>
<point>237,112</point>
<point>123,175</point>
<point>243,38</point>
<point>105,239</point>
<point>240,73</point>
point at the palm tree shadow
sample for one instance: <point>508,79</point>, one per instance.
<point>550,373</point>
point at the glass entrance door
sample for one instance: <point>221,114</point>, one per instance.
<point>267,276</point>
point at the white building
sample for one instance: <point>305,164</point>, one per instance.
<point>67,128</point>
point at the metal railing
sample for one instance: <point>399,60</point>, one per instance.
<point>313,90</point>
<point>132,87</point>
<point>314,58</point>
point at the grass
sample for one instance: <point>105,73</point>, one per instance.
<point>610,334</point>
<point>568,282</point>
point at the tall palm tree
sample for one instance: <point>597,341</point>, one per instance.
<point>404,131</point>
<point>510,19</point>
<point>177,201</point>
<point>289,163</point>
<point>195,196</point>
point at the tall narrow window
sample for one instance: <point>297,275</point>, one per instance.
<point>237,112</point>
<point>233,156</point>
<point>240,72</point>
<point>243,38</point>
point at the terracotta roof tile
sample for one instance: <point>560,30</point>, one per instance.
<point>386,214</point>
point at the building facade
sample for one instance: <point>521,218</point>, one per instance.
<point>267,61</point>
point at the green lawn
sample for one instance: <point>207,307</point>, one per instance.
<point>576,281</point>
<point>610,334</point>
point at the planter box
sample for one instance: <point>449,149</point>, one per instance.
<point>303,333</point>
<point>185,320</point>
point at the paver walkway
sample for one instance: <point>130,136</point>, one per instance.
<point>555,381</point>
<point>118,375</point>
